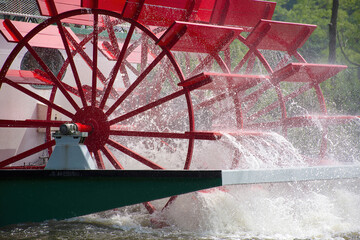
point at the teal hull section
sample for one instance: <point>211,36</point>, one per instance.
<point>38,195</point>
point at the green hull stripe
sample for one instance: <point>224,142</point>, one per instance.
<point>32,195</point>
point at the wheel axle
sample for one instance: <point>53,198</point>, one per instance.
<point>74,128</point>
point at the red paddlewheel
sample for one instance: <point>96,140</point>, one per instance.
<point>109,80</point>
<point>136,76</point>
<point>265,83</point>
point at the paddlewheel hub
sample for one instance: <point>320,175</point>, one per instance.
<point>97,119</point>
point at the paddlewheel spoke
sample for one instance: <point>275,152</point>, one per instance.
<point>134,155</point>
<point>147,107</point>
<point>29,123</point>
<point>38,98</point>
<point>72,64</point>
<point>172,135</point>
<point>107,152</point>
<point>27,153</point>
<point>79,50</point>
<point>95,60</point>
<point>99,160</point>
<point>275,104</point>
<point>151,209</point>
<point>116,68</point>
<point>41,62</point>
<point>53,12</point>
<point>136,83</point>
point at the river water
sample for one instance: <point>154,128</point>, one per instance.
<point>307,210</point>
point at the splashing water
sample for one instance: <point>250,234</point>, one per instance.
<point>306,210</point>
<point>248,151</point>
<point>278,211</point>
<point>272,211</point>
<point>315,210</point>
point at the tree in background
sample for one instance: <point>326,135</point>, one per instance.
<point>343,91</point>
<point>333,32</point>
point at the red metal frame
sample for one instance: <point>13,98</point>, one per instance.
<point>48,38</point>
<point>27,77</point>
<point>163,29</point>
<point>91,113</point>
<point>196,39</point>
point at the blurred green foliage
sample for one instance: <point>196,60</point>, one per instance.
<point>342,92</point>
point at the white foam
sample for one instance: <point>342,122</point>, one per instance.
<point>280,211</point>
<point>252,152</point>
<point>321,209</point>
<point>316,210</point>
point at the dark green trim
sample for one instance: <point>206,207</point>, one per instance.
<point>38,195</point>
